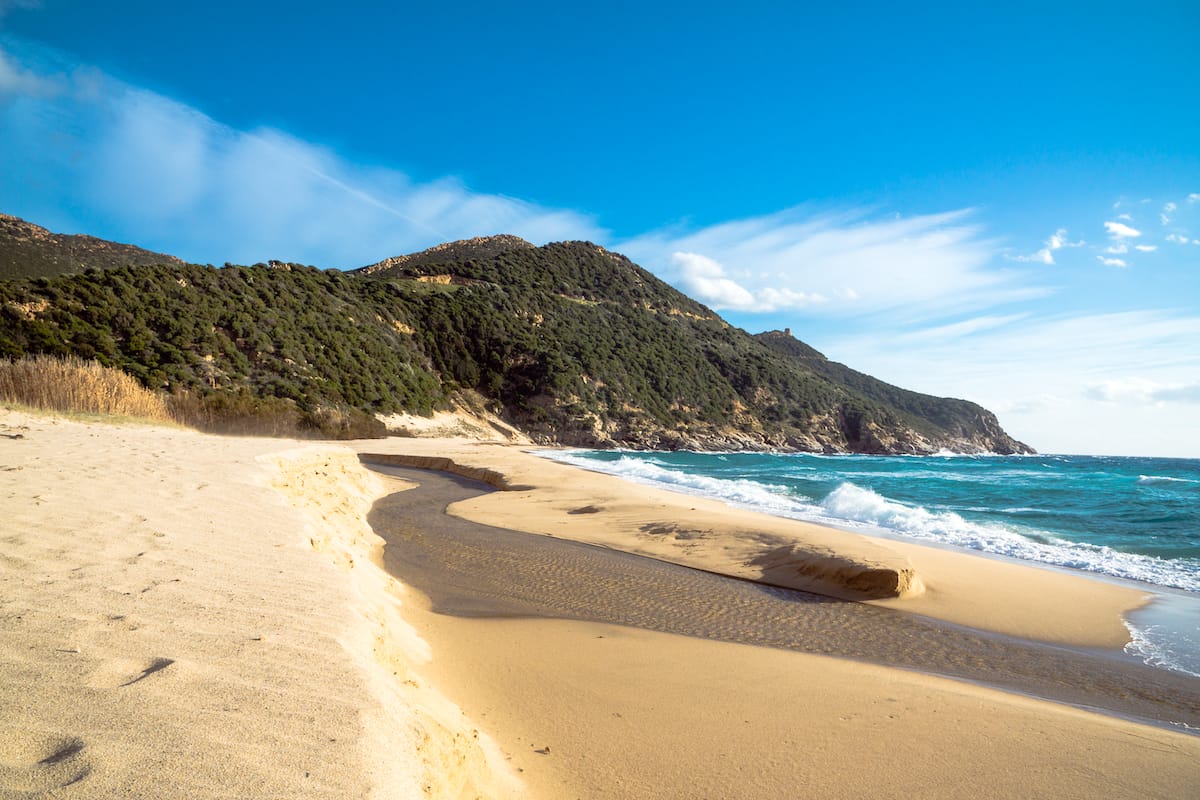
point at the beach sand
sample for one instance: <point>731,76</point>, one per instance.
<point>196,616</point>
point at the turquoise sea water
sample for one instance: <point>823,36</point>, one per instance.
<point>1136,519</point>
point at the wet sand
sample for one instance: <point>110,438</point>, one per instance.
<point>473,570</point>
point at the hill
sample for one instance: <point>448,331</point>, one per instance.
<point>31,251</point>
<point>570,342</point>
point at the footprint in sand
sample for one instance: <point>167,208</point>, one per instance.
<point>35,764</point>
<point>120,672</point>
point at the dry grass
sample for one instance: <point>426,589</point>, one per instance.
<point>71,385</point>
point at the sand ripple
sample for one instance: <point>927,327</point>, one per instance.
<point>468,569</point>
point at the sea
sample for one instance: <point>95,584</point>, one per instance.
<point>1131,520</point>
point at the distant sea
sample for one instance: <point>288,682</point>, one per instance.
<point>1135,519</point>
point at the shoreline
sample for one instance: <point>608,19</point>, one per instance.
<point>966,588</point>
<point>1162,630</point>
<point>473,570</point>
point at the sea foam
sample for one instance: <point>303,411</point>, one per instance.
<point>856,508</point>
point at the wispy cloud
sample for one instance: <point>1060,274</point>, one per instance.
<point>1177,238</point>
<point>147,163</point>
<point>1112,262</point>
<point>834,263</point>
<point>1145,248</point>
<point>963,328</point>
<point>1119,230</point>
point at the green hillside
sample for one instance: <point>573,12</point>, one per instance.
<point>570,342</point>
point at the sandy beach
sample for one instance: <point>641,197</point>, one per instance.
<point>198,616</point>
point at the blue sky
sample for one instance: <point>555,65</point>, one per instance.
<point>1000,203</point>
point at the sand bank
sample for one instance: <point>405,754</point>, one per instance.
<point>962,588</point>
<point>193,616</point>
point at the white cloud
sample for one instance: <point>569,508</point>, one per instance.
<point>706,280</point>
<point>1057,241</point>
<point>1112,262</point>
<point>1193,197</point>
<point>1119,230</point>
<point>796,258</point>
<point>1169,208</point>
<point>1146,248</point>
<point>179,181</point>
<point>1177,239</point>
<point>1126,217</point>
<point>1116,249</point>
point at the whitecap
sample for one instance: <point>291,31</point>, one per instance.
<point>857,508</point>
<point>1152,480</point>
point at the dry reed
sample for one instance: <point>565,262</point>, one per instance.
<point>71,385</point>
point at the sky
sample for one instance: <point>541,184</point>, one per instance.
<point>993,201</point>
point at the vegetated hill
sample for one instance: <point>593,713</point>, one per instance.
<point>611,354</point>
<point>30,251</point>
<point>569,342</point>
